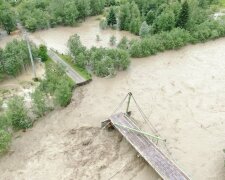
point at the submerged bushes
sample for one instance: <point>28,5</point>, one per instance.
<point>17,113</point>
<point>105,62</point>
<point>56,87</point>
<point>15,118</point>
<point>101,61</point>
<point>176,38</point>
<point>160,42</point>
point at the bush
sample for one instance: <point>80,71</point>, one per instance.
<point>103,24</point>
<point>98,38</point>
<point>160,42</point>
<point>17,113</point>
<point>105,62</point>
<point>63,93</point>
<point>56,83</point>
<point>112,41</point>
<point>5,124</point>
<point>144,30</point>
<point>54,72</point>
<point>123,44</point>
<point>39,104</point>
<point>5,139</point>
<point>43,54</point>
<point>208,30</point>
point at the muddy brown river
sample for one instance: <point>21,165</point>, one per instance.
<point>182,93</point>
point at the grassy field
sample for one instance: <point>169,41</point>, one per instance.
<point>81,71</point>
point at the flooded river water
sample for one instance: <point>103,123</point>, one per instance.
<point>182,92</point>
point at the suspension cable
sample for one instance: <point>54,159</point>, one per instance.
<point>121,103</point>
<point>145,117</point>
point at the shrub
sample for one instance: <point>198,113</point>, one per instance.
<point>17,113</point>
<point>4,122</point>
<point>111,18</point>
<point>160,42</point>
<point>123,44</point>
<point>112,40</point>
<point>42,53</point>
<point>63,93</point>
<point>208,30</point>
<point>5,139</point>
<point>103,24</point>
<point>56,83</point>
<point>103,67</point>
<point>39,104</point>
<point>144,30</point>
<point>165,21</point>
<point>75,45</point>
<point>105,62</point>
<point>98,38</point>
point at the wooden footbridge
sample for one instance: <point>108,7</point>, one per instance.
<point>142,143</point>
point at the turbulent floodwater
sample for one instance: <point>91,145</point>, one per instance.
<point>57,38</point>
<point>182,93</point>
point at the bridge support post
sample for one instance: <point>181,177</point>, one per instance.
<point>128,103</point>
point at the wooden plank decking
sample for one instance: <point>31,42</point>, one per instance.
<point>147,149</point>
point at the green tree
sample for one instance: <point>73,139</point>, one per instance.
<point>144,30</point>
<point>77,50</point>
<point>111,18</point>
<point>97,6</point>
<point>135,18</point>
<point>42,53</point>
<point>39,103</point>
<point>165,21</point>
<point>31,24</point>
<point>183,16</point>
<point>84,8</point>
<point>70,13</point>
<point>75,45</point>
<point>63,93</point>
<point>17,113</point>
<point>150,17</point>
<point>106,62</point>
<point>135,25</point>
<point>7,18</point>
<point>124,16</point>
<point>15,57</point>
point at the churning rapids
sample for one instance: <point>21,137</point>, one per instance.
<point>182,92</point>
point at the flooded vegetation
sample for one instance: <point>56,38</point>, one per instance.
<point>180,91</point>
<point>58,37</point>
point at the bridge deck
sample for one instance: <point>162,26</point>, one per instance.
<point>149,151</point>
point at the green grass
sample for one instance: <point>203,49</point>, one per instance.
<point>81,71</point>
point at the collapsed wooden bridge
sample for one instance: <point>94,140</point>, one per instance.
<point>145,147</point>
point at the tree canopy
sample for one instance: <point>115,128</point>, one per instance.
<point>7,17</point>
